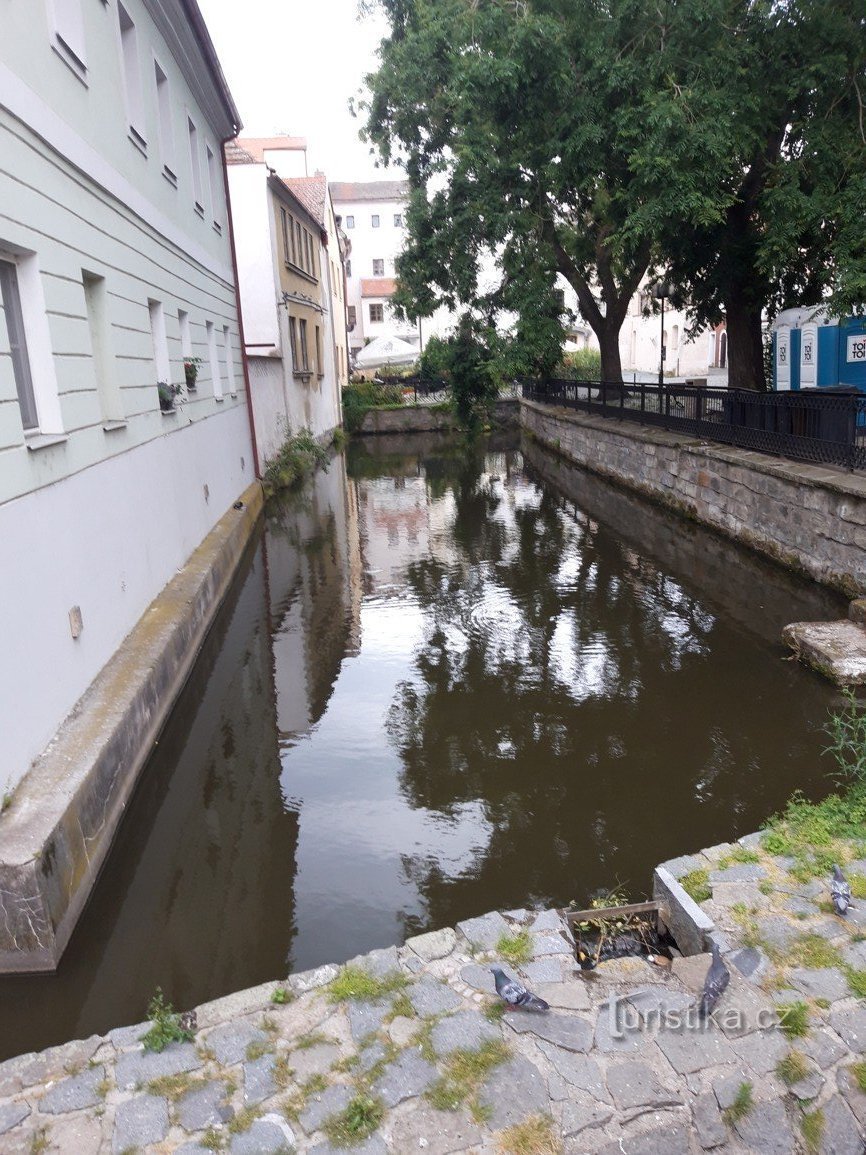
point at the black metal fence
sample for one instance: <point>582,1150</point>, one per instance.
<point>825,427</point>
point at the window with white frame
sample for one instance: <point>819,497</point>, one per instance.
<point>131,76</point>
<point>68,23</point>
<point>398,220</point>
<point>213,187</point>
<point>378,267</point>
<point>350,222</point>
<point>374,220</point>
<point>320,366</point>
<point>305,349</point>
<point>377,312</point>
<point>195,166</point>
<point>13,343</point>
<point>166,127</point>
<point>352,317</point>
<point>229,361</point>
<point>99,325</point>
<point>161,362</point>
<point>213,358</point>
<point>348,268</point>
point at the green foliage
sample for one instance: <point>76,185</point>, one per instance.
<point>847,732</point>
<point>742,1104</point>
<point>354,982</point>
<point>364,395</point>
<point>515,948</point>
<point>282,995</point>
<point>165,1025</point>
<point>537,1135</point>
<point>581,365</point>
<point>359,1120</point>
<point>811,950</point>
<point>696,884</point>
<point>599,142</point>
<point>298,456</point>
<point>817,834</point>
<point>738,854</point>
<point>858,1070</point>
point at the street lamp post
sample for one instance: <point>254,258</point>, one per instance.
<point>661,289</point>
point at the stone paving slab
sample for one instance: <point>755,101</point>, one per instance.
<point>620,1063</point>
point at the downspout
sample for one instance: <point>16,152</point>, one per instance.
<point>244,362</point>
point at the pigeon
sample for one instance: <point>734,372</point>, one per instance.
<point>840,892</point>
<point>516,995</point>
<point>715,984</point>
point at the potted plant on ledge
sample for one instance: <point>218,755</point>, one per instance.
<point>169,396</point>
<point>190,369</point>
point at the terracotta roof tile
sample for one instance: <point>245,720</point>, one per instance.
<point>311,191</point>
<point>235,154</point>
<point>257,146</point>
<point>346,192</point>
<point>378,286</point>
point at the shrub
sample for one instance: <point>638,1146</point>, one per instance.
<point>166,1027</point>
<point>298,456</point>
<point>582,365</point>
<point>364,395</point>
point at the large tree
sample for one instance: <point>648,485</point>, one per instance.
<point>597,138</point>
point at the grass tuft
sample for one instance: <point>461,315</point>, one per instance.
<point>742,1104</point>
<point>696,884</point>
<point>493,1012</point>
<point>257,1048</point>
<point>515,948</point>
<point>401,1008</point>
<point>812,1126</point>
<point>792,1068</point>
<point>282,995</point>
<point>311,1039</point>
<point>858,1070</point>
<point>810,950</point>
<point>794,1019</point>
<point>738,854</point>
<point>465,1071</point>
<point>243,1119</point>
<point>359,1120</point>
<point>536,1136</point>
<point>354,982</point>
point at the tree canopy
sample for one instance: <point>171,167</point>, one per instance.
<point>718,140</point>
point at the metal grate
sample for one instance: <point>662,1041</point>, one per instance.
<point>823,427</point>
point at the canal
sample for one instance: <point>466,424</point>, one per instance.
<point>446,680</point>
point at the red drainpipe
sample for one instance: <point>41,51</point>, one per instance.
<point>244,362</point>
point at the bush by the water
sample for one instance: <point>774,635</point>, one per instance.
<point>364,395</point>
<point>299,455</point>
<point>582,365</point>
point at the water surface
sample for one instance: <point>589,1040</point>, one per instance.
<point>445,681</point>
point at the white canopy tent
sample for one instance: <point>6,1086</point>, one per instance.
<point>386,351</point>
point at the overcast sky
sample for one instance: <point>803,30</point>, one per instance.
<point>292,66</point>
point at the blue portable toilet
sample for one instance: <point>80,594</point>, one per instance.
<point>812,350</point>
<point>852,352</point>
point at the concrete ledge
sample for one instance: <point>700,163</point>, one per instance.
<point>59,829</point>
<point>835,649</point>
<point>810,519</point>
<point>685,920</point>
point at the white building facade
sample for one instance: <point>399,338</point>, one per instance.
<point>292,296</point>
<point>116,271</point>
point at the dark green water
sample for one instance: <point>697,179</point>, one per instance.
<point>444,682</point>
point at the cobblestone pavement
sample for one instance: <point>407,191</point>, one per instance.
<point>619,1065</point>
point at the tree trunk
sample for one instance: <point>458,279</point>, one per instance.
<point>745,344</point>
<point>607,332</point>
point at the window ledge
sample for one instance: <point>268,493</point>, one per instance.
<point>169,176</point>
<point>113,426</point>
<point>219,399</point>
<point>303,374</point>
<point>139,141</point>
<point>44,440</point>
<point>77,67</point>
<point>169,412</point>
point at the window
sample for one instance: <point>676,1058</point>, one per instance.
<point>352,317</point>
<point>398,220</point>
<point>13,343</point>
<point>348,268</point>
<point>166,131</point>
<point>320,367</point>
<point>69,34</point>
<point>195,166</point>
<point>229,361</point>
<point>131,76</point>
<point>305,353</point>
<point>374,220</point>
<point>213,186</point>
<point>350,222</point>
<point>378,267</point>
<point>284,222</point>
<point>186,345</point>
<point>298,247</point>
<point>675,337</point>
<point>377,313</point>
<point>293,341</point>
<point>161,362</point>
<point>213,357</point>
<point>107,385</point>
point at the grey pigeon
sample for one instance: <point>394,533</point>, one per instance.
<point>715,984</point>
<point>840,892</point>
<point>515,994</point>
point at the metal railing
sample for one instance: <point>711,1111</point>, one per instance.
<point>819,426</point>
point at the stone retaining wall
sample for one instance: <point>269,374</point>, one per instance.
<point>59,828</point>
<point>428,418</point>
<point>809,518</point>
